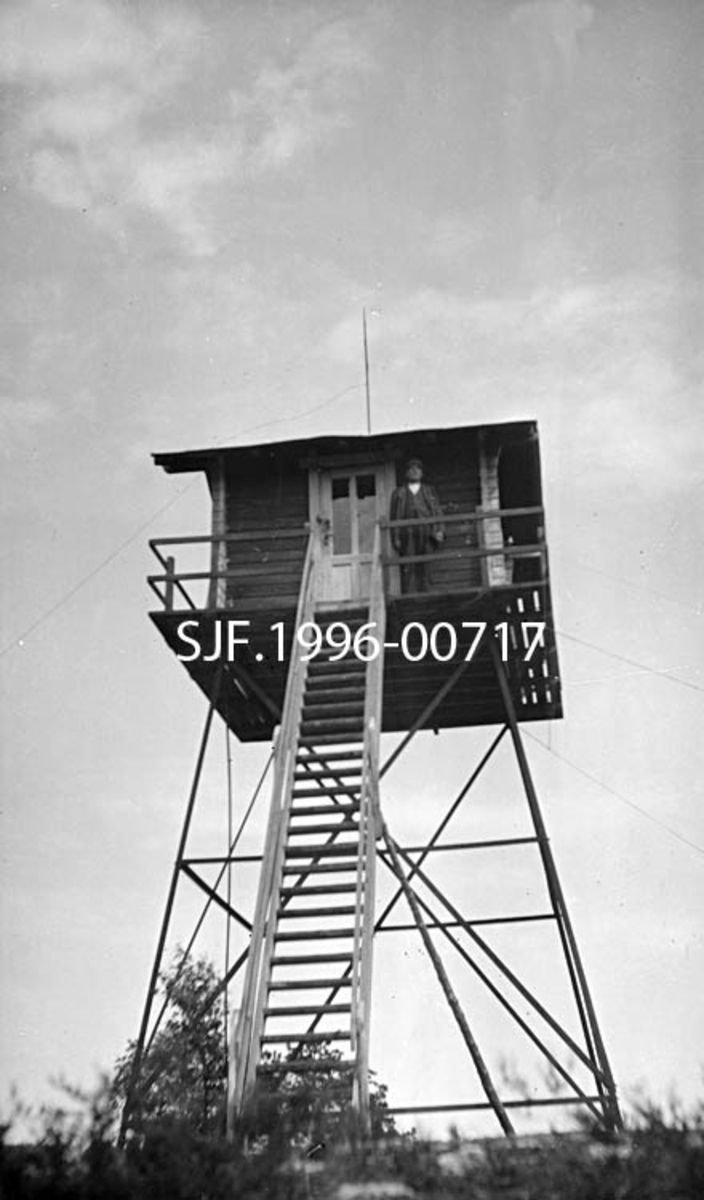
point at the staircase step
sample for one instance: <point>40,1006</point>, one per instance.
<point>326,676</point>
<point>328,653</point>
<point>334,1035</point>
<point>328,694</point>
<point>350,667</point>
<point>347,728</point>
<point>343,678</point>
<point>302,1065</point>
<point>349,616</point>
<point>333,712</point>
<point>331,722</point>
<point>318,868</point>
<point>332,739</point>
<point>318,889</point>
<point>353,619</point>
<point>324,810</point>
<point>345,848</point>
<point>329,756</point>
<point>346,910</point>
<point>325,679</point>
<point>347,825</point>
<point>322,789</point>
<point>293,960</point>
<point>320,766</point>
<point>307,1010</point>
<point>333,772</point>
<point>329,788</point>
<point>308,985</point>
<point>314,935</point>
<point>352,687</point>
<point>338,1093</point>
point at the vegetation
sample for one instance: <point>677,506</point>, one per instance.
<point>297,1141</point>
<point>183,1073</point>
<point>661,1157</point>
<point>311,1110</point>
<point>183,1076</point>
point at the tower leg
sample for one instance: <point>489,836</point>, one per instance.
<point>133,1084</point>
<point>603,1076</point>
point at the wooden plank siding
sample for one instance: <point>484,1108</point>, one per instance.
<point>264,498</point>
<point>267,493</point>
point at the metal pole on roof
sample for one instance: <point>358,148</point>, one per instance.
<point>366,370</point>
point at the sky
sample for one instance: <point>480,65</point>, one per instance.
<point>198,200</point>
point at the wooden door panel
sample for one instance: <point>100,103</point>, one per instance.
<point>350,501</point>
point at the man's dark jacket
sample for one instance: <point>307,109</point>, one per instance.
<point>415,539</point>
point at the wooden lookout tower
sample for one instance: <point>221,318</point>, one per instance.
<point>313,618</point>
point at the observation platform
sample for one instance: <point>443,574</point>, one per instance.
<point>438,667</point>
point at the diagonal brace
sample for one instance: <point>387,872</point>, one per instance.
<point>217,899</point>
<point>458,1013</point>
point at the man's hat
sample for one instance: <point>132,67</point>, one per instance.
<point>414,462</point>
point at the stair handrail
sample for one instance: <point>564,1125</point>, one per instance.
<point>368,822</point>
<point>249,1025</point>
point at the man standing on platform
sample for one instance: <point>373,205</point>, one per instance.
<point>415,500</point>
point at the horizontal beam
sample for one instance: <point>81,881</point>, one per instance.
<point>477,515</point>
<point>437,556</point>
<point>486,845</point>
<point>483,1106</point>
<point>211,539</point>
<point>513,920</point>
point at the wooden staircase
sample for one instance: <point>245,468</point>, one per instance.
<point>305,1004</point>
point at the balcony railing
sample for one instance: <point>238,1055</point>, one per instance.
<point>478,552</point>
<point>215,576</point>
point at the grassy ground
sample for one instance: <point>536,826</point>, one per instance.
<point>74,1157</point>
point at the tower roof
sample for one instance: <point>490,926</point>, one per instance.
<point>397,441</point>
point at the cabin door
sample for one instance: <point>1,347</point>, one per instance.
<point>350,502</point>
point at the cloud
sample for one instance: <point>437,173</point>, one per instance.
<point>108,128</point>
<point>170,181</point>
<point>20,421</point>
<point>43,42</point>
<point>451,236</point>
<point>300,101</point>
<point>90,74</point>
<point>559,22</point>
<point>542,48</point>
<point>78,117</point>
<point>56,177</point>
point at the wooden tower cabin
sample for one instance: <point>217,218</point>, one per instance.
<point>341,594</point>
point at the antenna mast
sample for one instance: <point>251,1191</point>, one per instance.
<point>366,370</point>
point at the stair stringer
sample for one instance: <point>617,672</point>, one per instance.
<point>243,1062</point>
<point>295,750</point>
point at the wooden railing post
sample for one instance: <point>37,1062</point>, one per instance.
<point>169,585</point>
